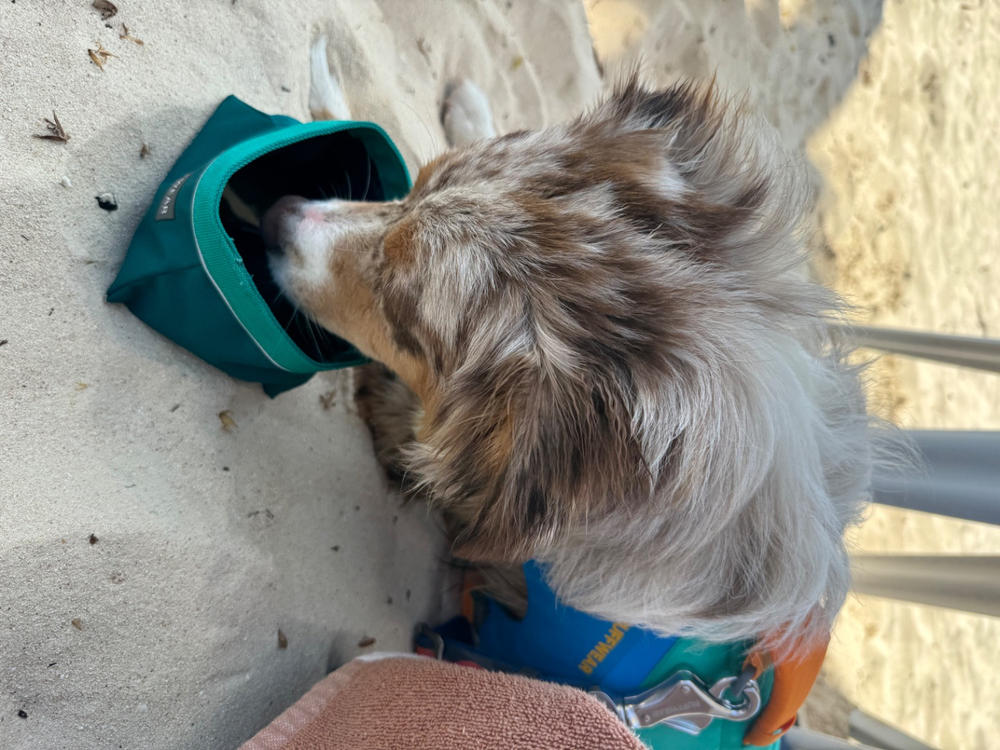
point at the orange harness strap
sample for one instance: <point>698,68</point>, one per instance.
<point>793,679</point>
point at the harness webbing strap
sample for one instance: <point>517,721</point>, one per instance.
<point>793,679</point>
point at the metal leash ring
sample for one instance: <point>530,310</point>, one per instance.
<point>748,691</point>
<point>737,686</point>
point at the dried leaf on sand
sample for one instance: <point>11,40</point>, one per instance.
<point>105,8</point>
<point>227,421</point>
<point>128,37</point>
<point>328,400</point>
<point>100,55</point>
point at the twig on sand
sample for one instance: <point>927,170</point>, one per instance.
<point>56,132</point>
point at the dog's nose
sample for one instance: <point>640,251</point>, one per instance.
<point>279,219</point>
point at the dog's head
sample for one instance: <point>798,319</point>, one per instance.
<point>613,350</point>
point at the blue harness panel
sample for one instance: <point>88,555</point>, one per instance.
<point>565,645</point>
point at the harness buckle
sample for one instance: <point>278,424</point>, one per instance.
<point>684,702</point>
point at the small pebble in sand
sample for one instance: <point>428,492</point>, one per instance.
<point>366,642</point>
<point>282,640</point>
<point>93,539</point>
<point>22,713</point>
<point>107,201</point>
<point>227,421</point>
<point>65,182</point>
<point>77,623</point>
<point>145,151</point>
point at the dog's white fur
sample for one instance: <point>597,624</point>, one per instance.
<point>326,98</point>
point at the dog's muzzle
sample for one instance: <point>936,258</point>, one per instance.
<point>279,221</point>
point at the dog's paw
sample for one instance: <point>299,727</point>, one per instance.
<point>326,98</point>
<point>391,410</point>
<point>466,114</point>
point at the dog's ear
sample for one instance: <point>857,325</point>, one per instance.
<point>736,199</point>
<point>687,108</point>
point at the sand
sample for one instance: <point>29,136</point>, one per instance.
<point>910,216</point>
<point>163,633</point>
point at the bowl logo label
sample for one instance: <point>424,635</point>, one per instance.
<point>165,211</point>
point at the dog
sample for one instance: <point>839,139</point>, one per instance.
<point>599,350</point>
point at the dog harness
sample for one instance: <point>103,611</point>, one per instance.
<point>671,691</point>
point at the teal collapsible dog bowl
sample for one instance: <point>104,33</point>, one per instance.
<point>196,269</point>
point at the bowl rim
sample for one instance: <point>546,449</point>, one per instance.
<point>220,259</point>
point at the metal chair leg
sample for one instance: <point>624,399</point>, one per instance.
<point>967,351</point>
<point>970,583</point>
<point>960,477</point>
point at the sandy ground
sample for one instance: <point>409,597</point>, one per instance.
<point>895,108</point>
<point>163,633</point>
<point>910,216</point>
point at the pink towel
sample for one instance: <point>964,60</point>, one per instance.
<point>423,704</point>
